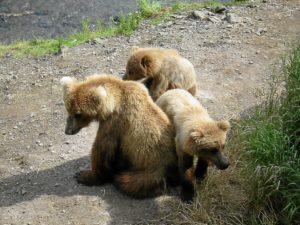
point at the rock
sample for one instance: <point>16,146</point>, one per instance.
<point>199,15</point>
<point>251,5</point>
<point>233,18</point>
<point>63,50</point>
<point>167,24</point>
<point>220,9</point>
<point>176,16</point>
<point>214,19</point>
<point>23,191</point>
<point>116,19</point>
<point>96,41</point>
<point>260,31</point>
<point>132,40</point>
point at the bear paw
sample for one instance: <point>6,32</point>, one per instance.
<point>187,197</point>
<point>88,178</point>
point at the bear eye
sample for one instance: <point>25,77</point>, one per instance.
<point>214,151</point>
<point>77,116</point>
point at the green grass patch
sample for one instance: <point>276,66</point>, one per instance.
<point>272,144</point>
<point>151,10</point>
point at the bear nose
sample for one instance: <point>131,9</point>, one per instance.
<point>224,166</point>
<point>69,132</point>
<point>222,163</point>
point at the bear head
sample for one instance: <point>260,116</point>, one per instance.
<point>208,141</point>
<point>85,101</point>
<point>140,65</point>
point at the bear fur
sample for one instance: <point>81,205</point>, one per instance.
<point>134,146</point>
<point>164,69</point>
<point>197,136</point>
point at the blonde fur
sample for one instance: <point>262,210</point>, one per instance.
<point>166,67</point>
<point>197,135</point>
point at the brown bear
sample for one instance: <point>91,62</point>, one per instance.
<point>163,69</point>
<point>134,146</point>
<point>197,136</point>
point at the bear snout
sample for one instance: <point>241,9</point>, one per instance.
<point>223,166</point>
<point>222,162</point>
<point>69,131</point>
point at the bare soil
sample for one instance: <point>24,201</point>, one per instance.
<point>234,62</point>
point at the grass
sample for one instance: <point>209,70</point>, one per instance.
<point>272,142</point>
<point>262,186</point>
<point>151,10</point>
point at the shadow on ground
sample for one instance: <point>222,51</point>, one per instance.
<point>60,181</point>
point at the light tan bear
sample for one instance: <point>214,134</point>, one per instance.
<point>197,135</point>
<point>163,69</point>
<point>134,146</point>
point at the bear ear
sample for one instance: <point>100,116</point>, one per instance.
<point>134,49</point>
<point>145,62</point>
<point>196,136</point>
<point>66,81</point>
<point>101,92</point>
<point>223,125</point>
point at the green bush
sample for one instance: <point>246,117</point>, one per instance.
<point>272,140</point>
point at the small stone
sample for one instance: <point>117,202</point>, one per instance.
<point>167,24</point>
<point>220,9</point>
<point>199,15</point>
<point>178,16</point>
<point>251,5</point>
<point>214,19</point>
<point>23,191</point>
<point>261,31</point>
<point>233,18</point>
<point>117,19</point>
<point>63,50</point>
<point>132,40</point>
<point>209,13</point>
<point>182,28</point>
<point>96,41</point>
<point>251,62</point>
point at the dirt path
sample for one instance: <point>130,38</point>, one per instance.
<point>37,161</point>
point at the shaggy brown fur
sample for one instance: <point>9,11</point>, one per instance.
<point>165,68</point>
<point>134,146</point>
<point>196,135</point>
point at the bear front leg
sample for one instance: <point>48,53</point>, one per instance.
<point>201,170</point>
<point>102,158</point>
<point>158,87</point>
<point>187,177</point>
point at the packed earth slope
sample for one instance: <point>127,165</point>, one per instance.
<point>234,59</point>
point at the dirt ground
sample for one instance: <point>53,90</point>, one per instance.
<point>234,62</point>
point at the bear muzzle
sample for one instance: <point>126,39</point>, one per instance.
<point>71,131</point>
<point>222,162</point>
